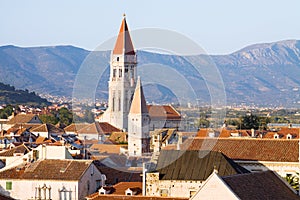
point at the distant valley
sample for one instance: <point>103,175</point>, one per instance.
<point>260,74</point>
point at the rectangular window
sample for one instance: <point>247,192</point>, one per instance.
<point>114,73</point>
<point>8,185</point>
<point>164,192</point>
<point>120,73</point>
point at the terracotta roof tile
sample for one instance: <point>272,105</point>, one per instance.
<point>138,104</point>
<point>106,148</point>
<point>121,187</point>
<point>48,128</point>
<point>163,112</point>
<point>124,44</point>
<point>75,127</point>
<point>19,149</point>
<point>28,126</point>
<point>22,118</point>
<point>49,170</point>
<point>99,127</point>
<point>248,149</point>
<point>120,197</point>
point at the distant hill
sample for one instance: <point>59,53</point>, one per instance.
<point>9,95</point>
<point>262,74</point>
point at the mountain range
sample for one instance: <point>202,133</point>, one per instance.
<point>260,74</point>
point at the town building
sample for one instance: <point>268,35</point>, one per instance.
<point>138,124</point>
<point>51,179</point>
<point>181,173</point>
<point>254,154</point>
<point>122,81</point>
<point>258,185</point>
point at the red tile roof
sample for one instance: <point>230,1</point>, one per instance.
<point>163,112</point>
<point>48,128</point>
<point>22,118</point>
<point>75,127</point>
<point>124,44</point>
<point>138,104</point>
<point>49,170</point>
<point>283,132</point>
<point>121,197</point>
<point>106,148</point>
<point>276,150</point>
<point>121,187</point>
<point>98,127</point>
<point>19,149</point>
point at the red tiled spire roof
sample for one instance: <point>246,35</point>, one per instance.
<point>124,44</point>
<point>138,105</point>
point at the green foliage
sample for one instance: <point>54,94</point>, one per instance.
<point>88,117</point>
<point>9,95</point>
<point>254,121</point>
<point>233,122</point>
<point>293,181</point>
<point>65,116</point>
<point>202,123</point>
<point>51,119</point>
<point>6,112</point>
<point>250,121</point>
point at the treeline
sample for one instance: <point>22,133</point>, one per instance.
<point>10,95</point>
<point>66,117</point>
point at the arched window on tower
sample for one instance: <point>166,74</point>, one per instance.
<point>114,73</point>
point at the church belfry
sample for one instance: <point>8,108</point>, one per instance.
<point>122,79</point>
<point>138,124</point>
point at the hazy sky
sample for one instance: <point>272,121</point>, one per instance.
<point>218,26</point>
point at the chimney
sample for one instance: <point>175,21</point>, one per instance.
<point>252,132</point>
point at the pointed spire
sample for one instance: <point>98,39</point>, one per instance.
<point>138,105</point>
<point>124,44</point>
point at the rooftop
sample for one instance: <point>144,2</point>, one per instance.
<point>256,149</point>
<point>194,165</point>
<point>259,185</point>
<point>49,169</point>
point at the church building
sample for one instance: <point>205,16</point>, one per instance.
<point>127,109</point>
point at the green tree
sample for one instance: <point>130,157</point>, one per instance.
<point>88,116</point>
<point>65,116</point>
<point>6,112</point>
<point>202,123</point>
<point>293,181</point>
<point>250,121</point>
<point>51,119</point>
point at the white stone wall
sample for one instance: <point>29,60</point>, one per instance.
<point>26,189</point>
<point>88,183</point>
<point>171,188</point>
<point>121,88</point>
<point>215,189</point>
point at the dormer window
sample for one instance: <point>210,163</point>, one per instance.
<point>104,190</point>
<point>289,137</point>
<point>276,136</point>
<point>128,192</point>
